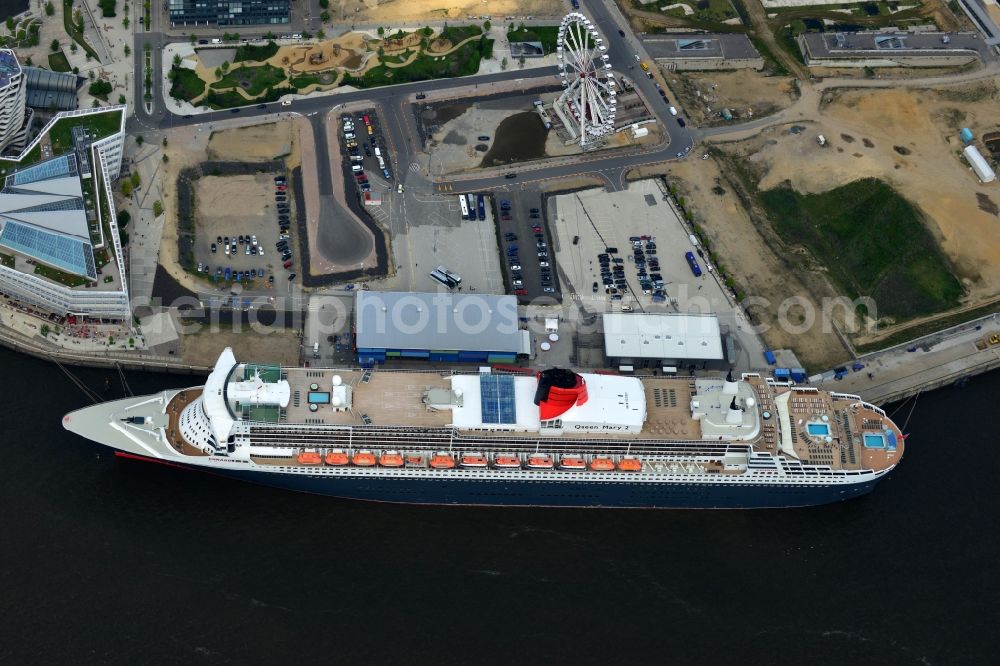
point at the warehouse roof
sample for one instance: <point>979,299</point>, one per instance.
<point>436,321</point>
<point>666,336</point>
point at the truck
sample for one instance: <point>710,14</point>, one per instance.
<point>315,350</point>
<point>481,206</point>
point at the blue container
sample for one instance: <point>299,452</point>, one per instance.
<point>769,357</point>
<point>966,135</point>
<point>782,374</point>
<point>798,375</point>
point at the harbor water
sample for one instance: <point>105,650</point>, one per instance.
<point>111,561</point>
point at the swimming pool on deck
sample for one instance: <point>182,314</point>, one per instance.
<point>818,429</point>
<point>880,440</point>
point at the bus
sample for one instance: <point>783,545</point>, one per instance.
<point>442,278</point>
<point>693,263</point>
<point>481,207</point>
<point>452,276</point>
<point>464,205</point>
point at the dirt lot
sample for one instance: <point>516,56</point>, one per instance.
<point>398,10</point>
<point>257,143</point>
<point>275,345</point>
<point>746,93</point>
<point>909,138</point>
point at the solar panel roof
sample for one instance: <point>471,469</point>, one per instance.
<point>66,253</point>
<point>497,398</point>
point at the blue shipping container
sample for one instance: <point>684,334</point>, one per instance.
<point>799,375</point>
<point>768,355</point>
<point>782,373</point>
<point>966,135</point>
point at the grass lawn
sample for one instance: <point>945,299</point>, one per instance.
<point>186,84</point>
<point>58,276</point>
<point>101,124</point>
<point>58,62</point>
<point>254,80</point>
<point>7,260</point>
<point>458,33</point>
<point>75,34</point>
<point>548,35</point>
<point>252,52</point>
<point>463,62</point>
<point>304,81</point>
<point>872,242</point>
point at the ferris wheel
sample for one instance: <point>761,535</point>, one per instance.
<point>586,73</point>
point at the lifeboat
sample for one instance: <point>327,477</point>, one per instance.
<point>337,458</point>
<point>602,464</point>
<point>363,458</point>
<point>572,462</point>
<point>539,461</point>
<point>415,460</point>
<point>309,458</point>
<point>630,464</point>
<point>506,461</point>
<point>442,460</point>
<point>390,459</point>
<point>473,460</point>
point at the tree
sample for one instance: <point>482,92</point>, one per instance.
<point>177,60</point>
<point>28,62</point>
<point>157,208</point>
<point>225,65</point>
<point>72,47</point>
<point>100,88</point>
<point>128,51</point>
<point>321,33</point>
<point>324,3</point>
<point>139,140</point>
<point>381,31</point>
<point>122,100</point>
<point>123,219</point>
<point>218,72</point>
<point>165,158</point>
<point>49,9</point>
<point>54,45</point>
<point>125,22</point>
<point>90,75</point>
<point>76,70</point>
<point>486,26</point>
<point>503,64</point>
<point>135,179</point>
<point>96,104</point>
<point>45,327</point>
<point>324,16</point>
<point>164,142</point>
<point>126,187</point>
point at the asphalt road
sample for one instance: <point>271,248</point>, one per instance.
<point>400,127</point>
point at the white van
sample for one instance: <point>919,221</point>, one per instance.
<point>673,111</point>
<point>356,168</point>
<point>315,350</point>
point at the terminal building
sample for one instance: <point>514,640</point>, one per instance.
<point>439,327</point>
<point>15,119</point>
<point>60,249</point>
<point>667,342</point>
<point>228,12</point>
<point>892,49</point>
<point>693,51</point>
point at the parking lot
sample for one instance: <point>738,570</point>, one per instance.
<point>523,226</point>
<point>240,219</point>
<point>364,151</point>
<point>630,222</point>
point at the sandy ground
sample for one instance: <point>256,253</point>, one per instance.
<point>226,204</point>
<point>869,130</point>
<point>745,251</point>
<point>746,93</point>
<point>269,345</point>
<point>399,10</point>
<point>258,143</point>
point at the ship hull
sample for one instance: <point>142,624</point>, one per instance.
<point>477,492</point>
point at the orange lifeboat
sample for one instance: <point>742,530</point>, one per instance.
<point>442,460</point>
<point>630,464</point>
<point>473,460</point>
<point>539,461</point>
<point>415,460</point>
<point>602,464</point>
<point>337,458</point>
<point>363,458</point>
<point>572,462</point>
<point>506,461</point>
<point>390,459</point>
<point>309,458</point>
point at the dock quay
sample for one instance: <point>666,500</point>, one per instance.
<point>933,361</point>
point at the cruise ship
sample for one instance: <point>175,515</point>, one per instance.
<point>491,437</point>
